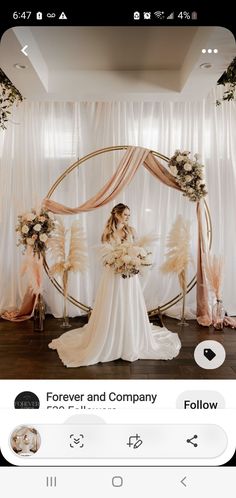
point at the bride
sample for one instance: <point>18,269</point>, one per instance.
<point>118,326</point>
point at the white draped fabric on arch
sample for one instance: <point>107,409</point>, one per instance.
<point>43,138</point>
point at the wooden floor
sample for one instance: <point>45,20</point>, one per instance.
<point>24,354</point>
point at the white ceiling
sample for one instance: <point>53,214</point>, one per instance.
<point>111,48</point>
<point>115,63</point>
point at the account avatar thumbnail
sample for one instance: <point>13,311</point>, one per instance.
<point>27,400</point>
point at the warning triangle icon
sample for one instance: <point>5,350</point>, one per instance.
<point>63,16</point>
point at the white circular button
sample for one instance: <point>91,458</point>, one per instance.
<point>209,354</point>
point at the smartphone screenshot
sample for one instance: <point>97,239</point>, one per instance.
<point>117,295</point>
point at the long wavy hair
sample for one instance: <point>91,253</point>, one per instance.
<point>112,223</point>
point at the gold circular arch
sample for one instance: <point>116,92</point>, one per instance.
<point>78,163</point>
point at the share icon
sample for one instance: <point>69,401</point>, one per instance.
<point>191,440</point>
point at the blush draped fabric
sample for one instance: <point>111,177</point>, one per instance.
<point>26,309</point>
<point>33,267</point>
<point>130,162</point>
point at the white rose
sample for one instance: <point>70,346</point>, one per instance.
<point>25,229</point>
<point>43,237</point>
<point>173,170</point>
<point>37,227</point>
<point>30,216</point>
<point>188,178</point>
<point>180,158</point>
<point>188,166</point>
<point>29,241</point>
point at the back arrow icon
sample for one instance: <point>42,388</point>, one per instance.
<point>23,50</point>
<point>182,482</point>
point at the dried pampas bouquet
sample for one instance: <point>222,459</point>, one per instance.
<point>214,272</point>
<point>75,260</point>
<point>178,256</point>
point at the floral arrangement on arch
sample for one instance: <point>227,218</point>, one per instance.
<point>189,174</point>
<point>127,259</point>
<point>34,229</point>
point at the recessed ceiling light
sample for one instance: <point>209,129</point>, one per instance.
<point>20,66</point>
<point>206,65</point>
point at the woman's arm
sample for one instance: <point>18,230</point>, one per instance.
<point>134,234</point>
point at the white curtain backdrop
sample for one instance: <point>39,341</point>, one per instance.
<point>43,139</point>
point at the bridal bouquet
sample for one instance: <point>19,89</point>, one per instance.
<point>189,175</point>
<point>127,258</point>
<point>34,230</point>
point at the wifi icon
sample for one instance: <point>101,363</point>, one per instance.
<point>159,14</point>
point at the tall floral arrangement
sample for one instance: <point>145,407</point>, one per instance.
<point>189,174</point>
<point>34,230</point>
<point>214,273</point>
<point>178,255</point>
<point>74,260</point>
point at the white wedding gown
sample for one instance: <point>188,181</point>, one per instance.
<point>118,328</point>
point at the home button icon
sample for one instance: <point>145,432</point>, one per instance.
<point>117,481</point>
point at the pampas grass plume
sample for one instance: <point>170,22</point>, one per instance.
<point>214,273</point>
<point>178,255</point>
